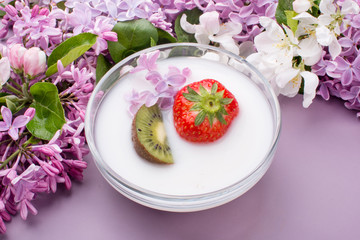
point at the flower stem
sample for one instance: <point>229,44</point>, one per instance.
<point>11,157</point>
<point>14,82</point>
<point>13,89</point>
<point>25,90</point>
<point>20,149</point>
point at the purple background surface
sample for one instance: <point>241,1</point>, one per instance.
<point>311,191</point>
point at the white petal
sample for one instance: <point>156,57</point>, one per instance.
<point>210,22</point>
<point>300,6</point>
<point>230,45</point>
<point>323,35</point>
<point>306,17</point>
<point>292,88</point>
<point>290,35</point>
<point>286,76</point>
<point>226,42</point>
<point>265,22</point>
<point>264,43</point>
<point>350,7</point>
<point>230,28</point>
<point>202,38</point>
<point>325,20</point>
<point>334,47</point>
<point>310,50</point>
<point>311,81</point>
<point>4,70</point>
<point>327,7</point>
<point>185,25</point>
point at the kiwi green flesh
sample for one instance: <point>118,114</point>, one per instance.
<point>149,136</point>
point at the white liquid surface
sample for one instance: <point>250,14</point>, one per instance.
<point>198,168</point>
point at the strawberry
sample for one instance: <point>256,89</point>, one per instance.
<point>204,110</point>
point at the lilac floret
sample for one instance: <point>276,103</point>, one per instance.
<point>165,86</point>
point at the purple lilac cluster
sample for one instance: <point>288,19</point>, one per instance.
<point>30,166</point>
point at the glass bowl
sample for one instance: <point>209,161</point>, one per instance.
<point>189,184</point>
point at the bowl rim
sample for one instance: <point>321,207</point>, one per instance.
<point>106,170</point>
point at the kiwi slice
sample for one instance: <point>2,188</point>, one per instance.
<point>149,135</point>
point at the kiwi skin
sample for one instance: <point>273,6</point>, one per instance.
<point>140,149</point>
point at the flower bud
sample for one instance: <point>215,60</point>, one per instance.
<point>4,70</point>
<point>44,12</point>
<point>34,62</point>
<point>30,112</point>
<point>11,10</point>
<point>16,56</point>
<point>110,36</point>
<point>88,87</point>
<point>35,11</point>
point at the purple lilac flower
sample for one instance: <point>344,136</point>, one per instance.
<point>158,20</point>
<point>12,127</point>
<point>347,70</point>
<point>165,86</point>
<point>51,148</point>
<point>147,62</point>
<point>349,43</point>
<point>37,29</point>
<point>352,96</point>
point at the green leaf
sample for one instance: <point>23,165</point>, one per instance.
<point>12,102</point>
<point>102,66</point>
<point>192,95</point>
<point>70,50</point>
<point>11,105</point>
<point>49,115</point>
<point>202,90</point>
<point>211,117</point>
<point>283,5</point>
<point>220,94</point>
<point>291,23</point>
<point>200,118</point>
<point>165,37</point>
<point>61,5</point>
<point>196,107</point>
<point>2,13</point>
<point>133,36</point>
<point>214,88</point>
<point>220,118</point>
<point>226,101</point>
<point>223,111</point>
<point>152,42</point>
<point>314,10</point>
<point>193,18</point>
<point>3,97</point>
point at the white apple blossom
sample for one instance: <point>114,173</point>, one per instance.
<point>309,48</point>
<point>329,23</point>
<point>300,6</point>
<point>275,41</point>
<point>289,83</point>
<point>210,29</point>
<point>269,67</point>
<point>276,49</point>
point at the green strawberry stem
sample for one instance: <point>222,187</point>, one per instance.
<point>209,104</point>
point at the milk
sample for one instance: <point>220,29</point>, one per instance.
<point>198,168</point>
